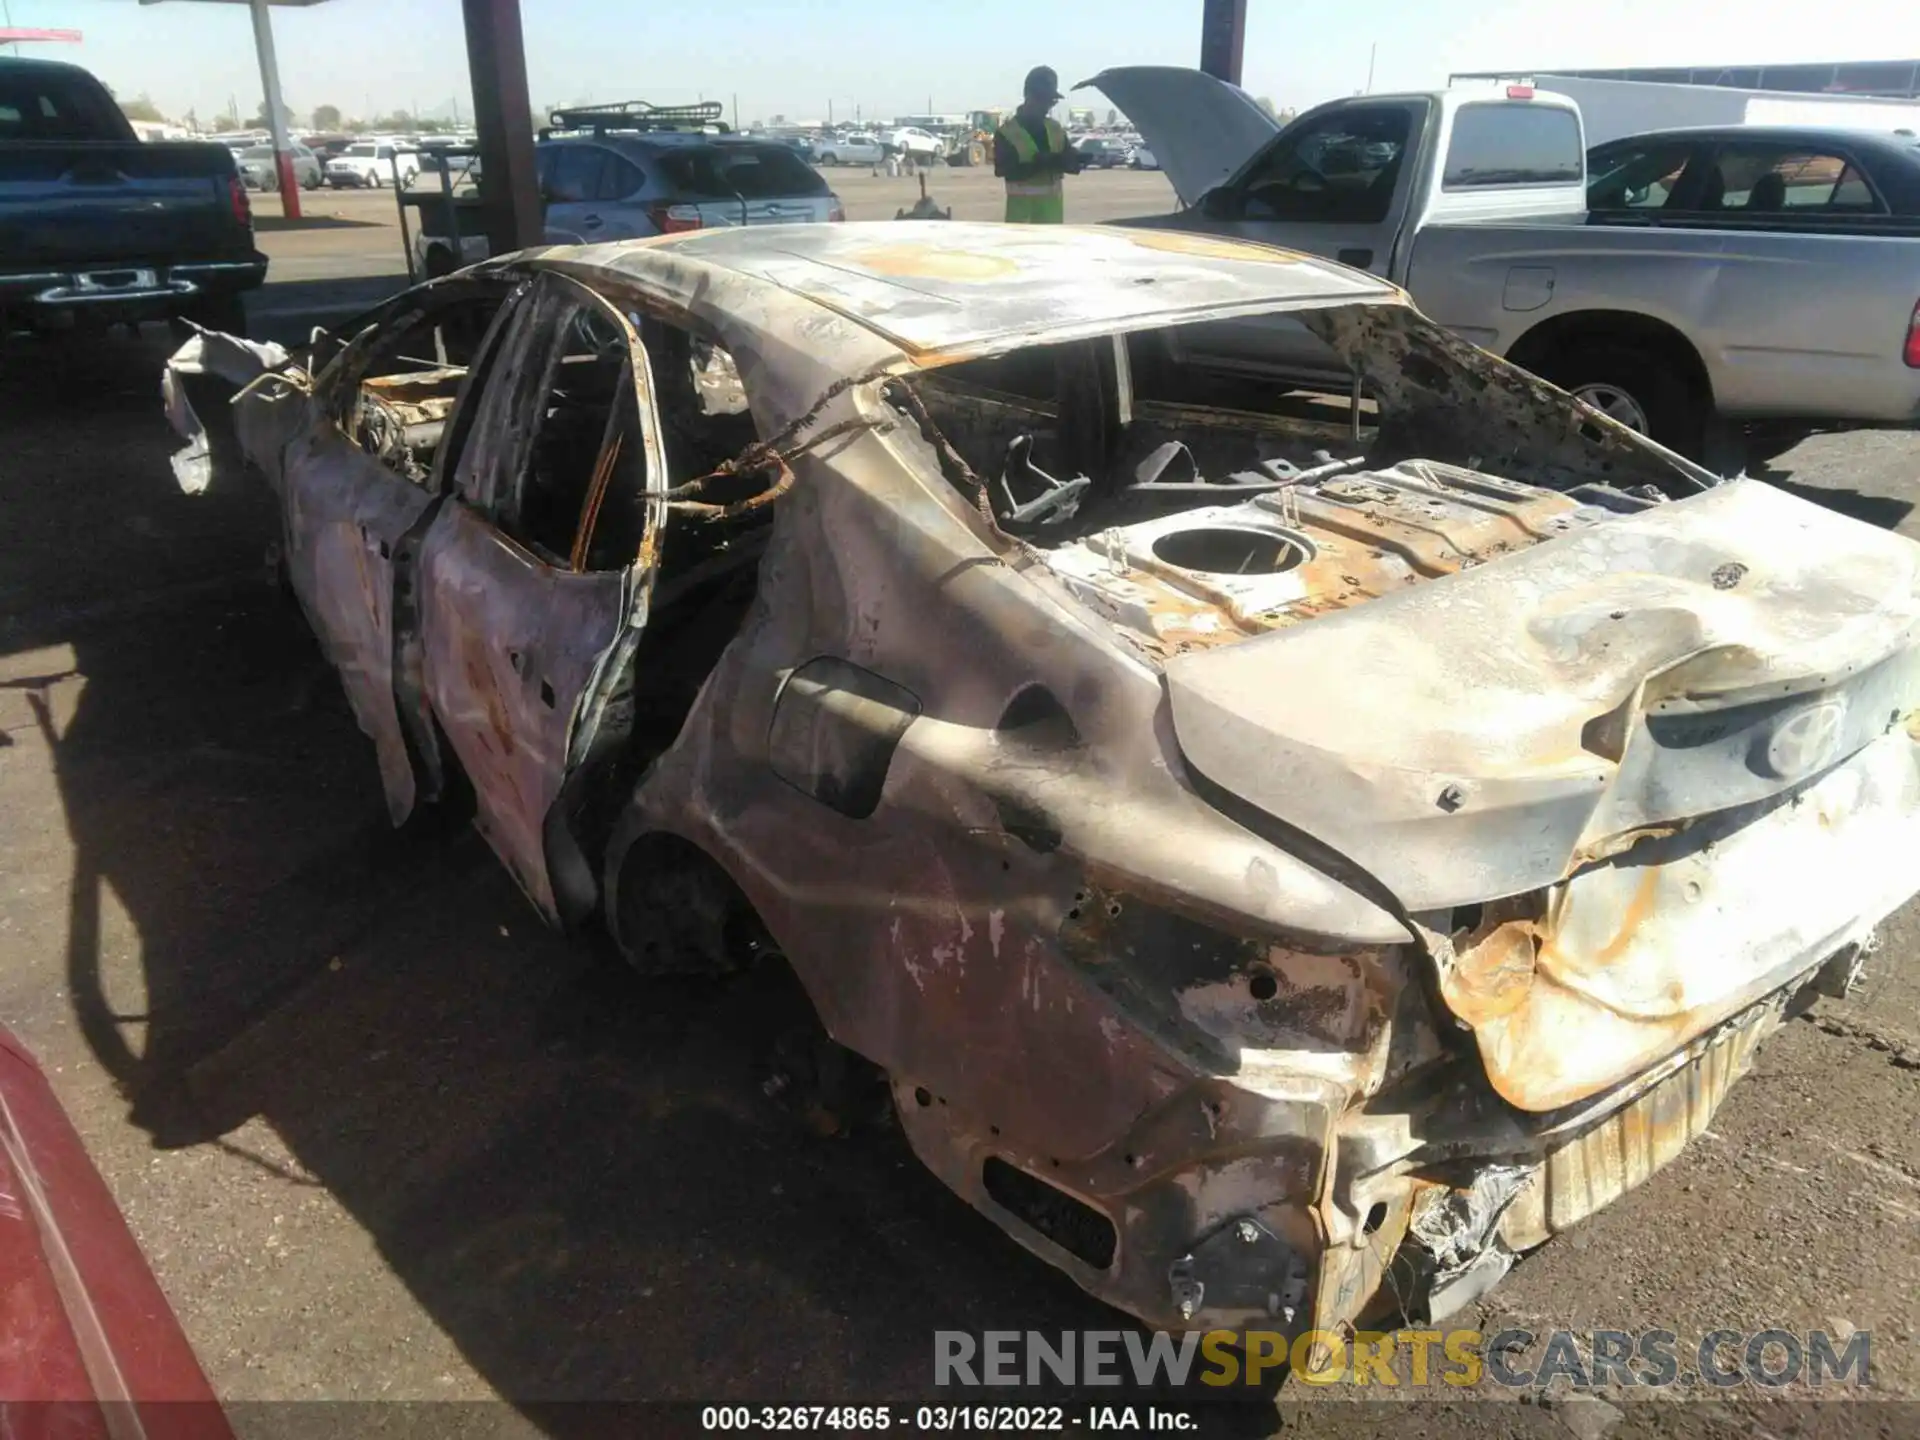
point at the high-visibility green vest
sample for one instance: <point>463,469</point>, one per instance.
<point>1042,199</point>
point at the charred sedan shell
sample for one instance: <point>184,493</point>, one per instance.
<point>1290,848</point>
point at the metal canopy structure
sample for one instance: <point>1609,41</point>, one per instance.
<point>270,88</point>
<point>1223,38</point>
<point>497,66</point>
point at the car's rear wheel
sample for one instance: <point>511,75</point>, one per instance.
<point>1638,387</point>
<point>677,913</point>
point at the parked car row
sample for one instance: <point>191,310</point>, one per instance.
<point>341,162</point>
<point>1103,152</point>
<point>853,149</point>
<point>630,185</point>
<point>260,170</point>
<point>1097,152</point>
<point>873,148</point>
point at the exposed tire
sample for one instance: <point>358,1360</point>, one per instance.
<point>1639,387</point>
<point>829,159</point>
<point>313,184</point>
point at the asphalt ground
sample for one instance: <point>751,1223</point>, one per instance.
<point>384,1138</point>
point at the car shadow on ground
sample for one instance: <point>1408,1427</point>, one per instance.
<point>1886,511</point>
<point>280,224</point>
<point>576,1173</point>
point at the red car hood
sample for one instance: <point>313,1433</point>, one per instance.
<point>88,1344</point>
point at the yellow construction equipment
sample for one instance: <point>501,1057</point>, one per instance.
<point>975,145</point>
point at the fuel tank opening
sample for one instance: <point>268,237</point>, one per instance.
<point>1229,550</point>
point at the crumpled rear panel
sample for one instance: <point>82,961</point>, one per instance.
<point>1467,738</point>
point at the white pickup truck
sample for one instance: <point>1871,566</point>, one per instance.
<point>1475,201</point>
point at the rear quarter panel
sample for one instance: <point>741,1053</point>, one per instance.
<point>1804,326</point>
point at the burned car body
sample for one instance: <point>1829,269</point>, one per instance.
<point>1286,853</point>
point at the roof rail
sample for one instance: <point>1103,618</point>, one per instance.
<point>636,115</point>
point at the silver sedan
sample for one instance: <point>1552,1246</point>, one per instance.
<point>258,170</point>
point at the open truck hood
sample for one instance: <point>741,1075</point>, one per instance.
<point>1201,130</point>
<point>1624,727</point>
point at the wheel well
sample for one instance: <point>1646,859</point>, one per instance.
<point>1613,327</point>
<point>673,909</point>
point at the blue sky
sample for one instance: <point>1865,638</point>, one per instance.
<point>793,56</point>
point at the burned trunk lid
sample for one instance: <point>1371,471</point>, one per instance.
<point>1479,735</point>
<point>1597,723</point>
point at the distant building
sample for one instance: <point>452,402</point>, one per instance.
<point>1896,79</point>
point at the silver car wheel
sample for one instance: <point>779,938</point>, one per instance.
<point>1615,403</point>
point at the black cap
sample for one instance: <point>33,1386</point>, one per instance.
<point>1042,82</point>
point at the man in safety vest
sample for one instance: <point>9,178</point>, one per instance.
<point>1030,152</point>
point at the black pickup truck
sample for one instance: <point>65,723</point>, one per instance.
<point>97,227</point>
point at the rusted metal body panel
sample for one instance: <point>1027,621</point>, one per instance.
<point>990,971</point>
<point>1690,634</point>
<point>1608,978</point>
<point>345,522</point>
<point>1348,541</point>
<point>1269,901</point>
<point>510,643</point>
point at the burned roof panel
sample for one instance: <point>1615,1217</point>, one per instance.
<point>935,287</point>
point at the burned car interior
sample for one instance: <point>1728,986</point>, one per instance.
<point>1287,849</point>
<point>397,389</point>
<point>578,500</point>
<point>1214,489</point>
<point>1108,430</point>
